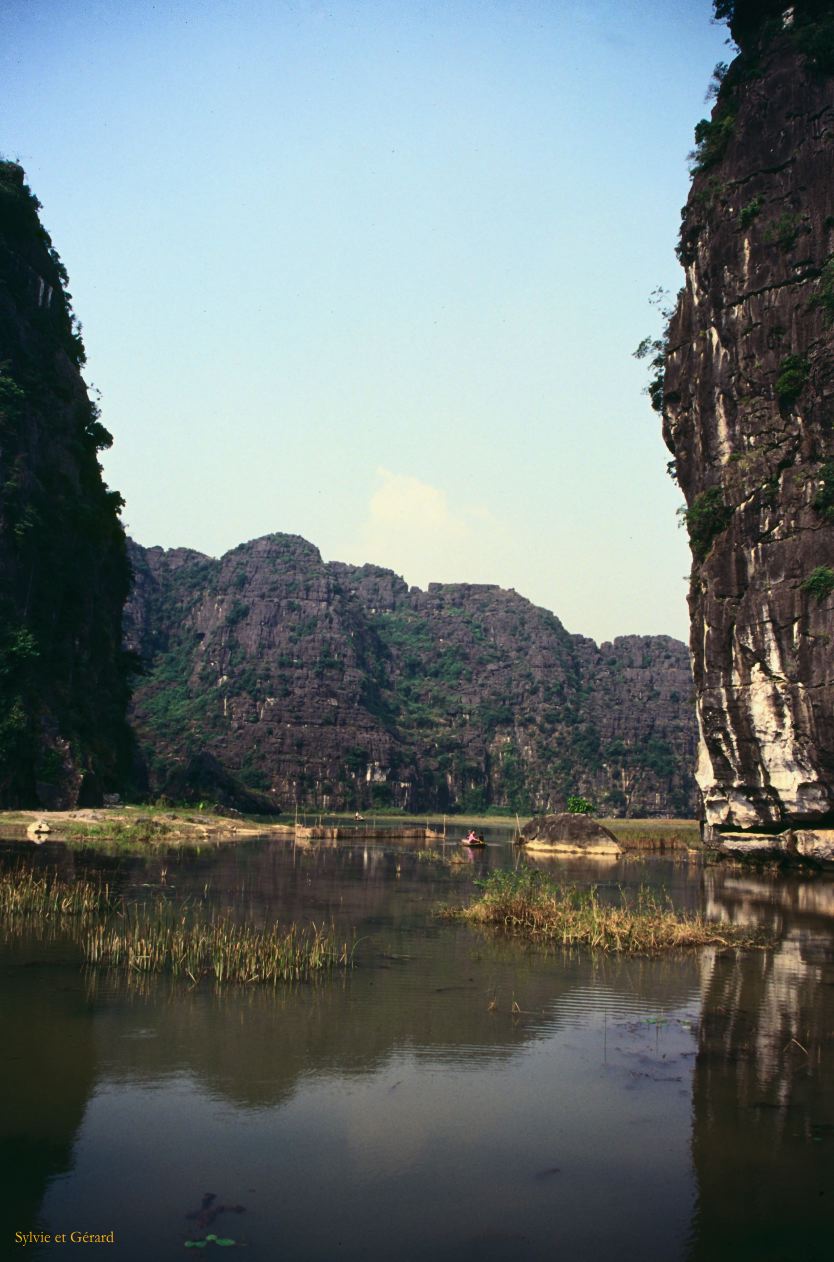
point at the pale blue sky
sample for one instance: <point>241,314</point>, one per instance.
<point>372,272</point>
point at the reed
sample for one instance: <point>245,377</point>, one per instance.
<point>160,938</point>
<point>528,904</point>
<point>163,936</point>
<point>431,856</point>
<point>656,834</point>
<point>25,893</point>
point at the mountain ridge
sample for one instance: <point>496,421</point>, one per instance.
<point>332,685</point>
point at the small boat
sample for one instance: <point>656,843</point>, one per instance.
<point>473,840</point>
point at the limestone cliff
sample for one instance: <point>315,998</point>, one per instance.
<point>63,566</point>
<point>748,403</point>
<point>339,686</point>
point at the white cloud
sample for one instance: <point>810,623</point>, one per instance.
<point>412,528</point>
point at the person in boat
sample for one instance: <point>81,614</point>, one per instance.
<point>473,837</point>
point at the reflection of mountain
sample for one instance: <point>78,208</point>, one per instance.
<point>421,987</point>
<point>763,1096</point>
<point>48,1072</point>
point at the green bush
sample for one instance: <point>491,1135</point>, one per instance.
<point>824,296</point>
<point>711,139</point>
<point>823,501</point>
<point>750,211</point>
<point>579,806</point>
<point>237,613</point>
<point>785,230</point>
<point>656,348</point>
<point>473,800</point>
<point>819,583</point>
<point>794,371</point>
<point>706,517</point>
<point>815,38</point>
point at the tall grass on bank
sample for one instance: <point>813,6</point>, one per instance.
<point>528,904</point>
<point>161,936</point>
<point>656,834</point>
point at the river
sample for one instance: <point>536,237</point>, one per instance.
<point>455,1096</point>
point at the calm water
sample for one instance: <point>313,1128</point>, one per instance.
<point>455,1097</point>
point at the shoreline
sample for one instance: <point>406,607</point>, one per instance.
<point>147,828</point>
<point>135,825</point>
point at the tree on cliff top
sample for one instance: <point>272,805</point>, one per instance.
<point>746,18</point>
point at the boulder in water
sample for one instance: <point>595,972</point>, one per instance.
<point>567,833</point>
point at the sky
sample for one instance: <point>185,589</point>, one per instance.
<point>372,272</point>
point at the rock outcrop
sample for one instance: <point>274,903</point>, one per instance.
<point>748,404</point>
<point>567,833</point>
<point>338,686</point>
<point>63,566</point>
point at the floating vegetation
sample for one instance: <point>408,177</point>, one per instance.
<point>163,936</point>
<point>529,904</point>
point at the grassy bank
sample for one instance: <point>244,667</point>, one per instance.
<point>654,834</point>
<point>161,936</point>
<point>123,833</point>
<point>529,905</point>
<point>647,833</point>
<point>137,828</point>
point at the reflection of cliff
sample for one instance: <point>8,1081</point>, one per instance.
<point>48,1070</point>
<point>418,986</point>
<point>763,1103</point>
<point>753,900</point>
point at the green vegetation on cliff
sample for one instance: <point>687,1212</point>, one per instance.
<point>337,687</point>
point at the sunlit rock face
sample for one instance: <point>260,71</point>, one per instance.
<point>748,401</point>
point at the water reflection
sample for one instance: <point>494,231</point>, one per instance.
<point>48,1068</point>
<point>763,1092</point>
<point>457,1096</point>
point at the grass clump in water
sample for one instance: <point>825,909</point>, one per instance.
<point>528,904</point>
<point>162,936</point>
<point>23,893</point>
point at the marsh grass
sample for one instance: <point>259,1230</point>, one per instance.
<point>24,893</point>
<point>118,835</point>
<point>163,936</point>
<point>431,856</point>
<point>160,937</point>
<point>528,904</point>
<point>656,834</point>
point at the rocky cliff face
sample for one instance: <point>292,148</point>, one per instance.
<point>63,566</point>
<point>338,686</point>
<point>748,400</point>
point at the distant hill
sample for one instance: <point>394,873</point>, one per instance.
<point>337,686</point>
